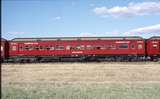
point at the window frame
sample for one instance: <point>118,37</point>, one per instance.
<point>89,47</point>
<point>14,48</point>
<point>153,46</point>
<point>59,47</point>
<point>123,46</point>
<point>139,46</point>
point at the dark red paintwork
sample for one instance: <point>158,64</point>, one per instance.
<point>4,49</point>
<point>153,46</point>
<point>131,50</point>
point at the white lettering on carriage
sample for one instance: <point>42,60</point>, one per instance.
<point>122,42</point>
<point>154,42</point>
<point>139,41</point>
<point>31,43</point>
<point>77,52</point>
<point>13,43</point>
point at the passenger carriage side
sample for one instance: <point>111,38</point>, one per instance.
<point>4,49</point>
<point>88,48</point>
<point>153,47</point>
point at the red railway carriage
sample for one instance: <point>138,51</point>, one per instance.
<point>153,47</point>
<point>4,49</point>
<point>77,47</point>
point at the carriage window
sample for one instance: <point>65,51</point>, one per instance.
<point>155,46</point>
<point>68,47</point>
<point>41,47</point>
<point>80,47</point>
<point>89,47</point>
<point>36,47</point>
<point>103,47</point>
<point>112,47</point>
<point>14,48</point>
<point>30,48</point>
<point>123,46</point>
<point>139,46</point>
<point>51,47</point>
<point>21,48</point>
<point>26,48</point>
<point>99,47</point>
<point>47,47</point>
<point>59,47</point>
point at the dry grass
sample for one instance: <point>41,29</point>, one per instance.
<point>80,73</point>
<point>81,80</point>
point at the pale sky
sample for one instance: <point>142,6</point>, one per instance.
<point>65,18</point>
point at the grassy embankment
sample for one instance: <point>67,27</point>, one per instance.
<point>81,81</point>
